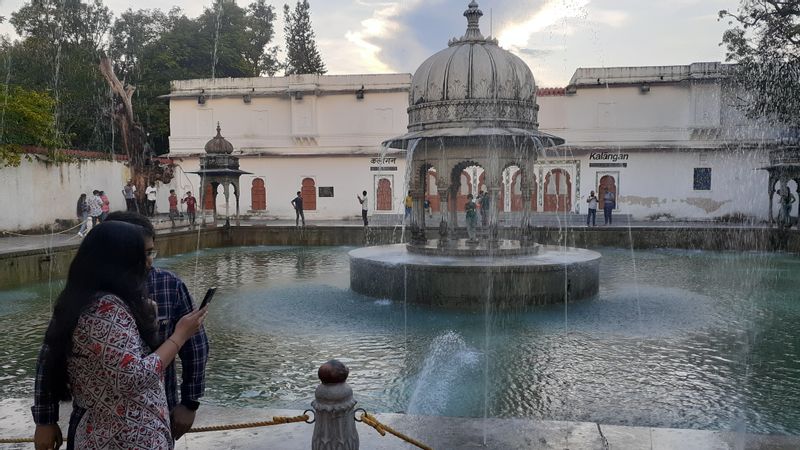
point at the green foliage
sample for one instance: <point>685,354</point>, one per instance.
<point>26,118</point>
<point>765,42</point>
<point>302,55</point>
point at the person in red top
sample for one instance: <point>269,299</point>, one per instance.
<point>173,206</point>
<point>106,206</point>
<point>191,204</point>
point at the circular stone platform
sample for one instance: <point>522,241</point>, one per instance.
<point>517,281</point>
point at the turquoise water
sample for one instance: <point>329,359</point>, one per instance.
<point>674,339</point>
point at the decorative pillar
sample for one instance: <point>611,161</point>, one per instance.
<point>236,193</point>
<point>227,203</point>
<point>444,230</point>
<point>334,410</point>
<point>493,184</point>
<point>526,188</point>
<point>771,191</point>
<point>417,209</point>
<point>453,211</point>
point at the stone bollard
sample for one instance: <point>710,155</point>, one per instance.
<point>334,406</point>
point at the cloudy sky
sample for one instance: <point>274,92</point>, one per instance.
<point>553,36</point>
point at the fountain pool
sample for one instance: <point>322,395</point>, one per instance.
<point>686,339</point>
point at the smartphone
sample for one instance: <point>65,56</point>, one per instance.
<point>209,294</point>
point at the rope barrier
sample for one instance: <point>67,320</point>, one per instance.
<point>276,420</point>
<point>11,233</point>
<point>370,420</point>
<point>16,441</point>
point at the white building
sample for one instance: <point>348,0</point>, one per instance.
<point>668,139</point>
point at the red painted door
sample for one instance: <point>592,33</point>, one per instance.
<point>308,192</point>
<point>210,198</point>
<point>258,194</point>
<point>384,195</point>
<point>433,193</point>
<point>607,183</point>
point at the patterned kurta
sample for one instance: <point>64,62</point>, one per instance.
<point>119,382</point>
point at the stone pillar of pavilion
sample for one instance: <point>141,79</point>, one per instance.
<point>784,167</point>
<point>219,167</point>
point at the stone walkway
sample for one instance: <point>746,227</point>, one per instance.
<point>14,242</point>
<point>441,433</point>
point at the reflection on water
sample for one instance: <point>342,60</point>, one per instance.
<point>704,340</point>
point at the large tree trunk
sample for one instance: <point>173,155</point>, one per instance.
<point>144,168</point>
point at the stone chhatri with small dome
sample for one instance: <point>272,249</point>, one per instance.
<point>473,104</point>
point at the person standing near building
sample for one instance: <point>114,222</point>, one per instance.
<point>409,203</point>
<point>106,206</point>
<point>173,302</point>
<point>591,216</point>
<point>191,205</point>
<point>297,203</point>
<point>609,202</point>
<point>152,193</point>
<point>470,208</point>
<point>95,207</point>
<point>129,192</point>
<point>483,200</point>
<point>173,206</point>
<point>365,207</point>
<point>82,211</point>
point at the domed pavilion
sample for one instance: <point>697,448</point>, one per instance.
<point>471,104</point>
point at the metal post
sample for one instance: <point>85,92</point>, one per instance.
<point>334,410</point>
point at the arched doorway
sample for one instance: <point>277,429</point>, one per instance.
<point>258,195</point>
<point>464,189</point>
<point>607,183</point>
<point>384,195</point>
<point>557,191</point>
<point>516,193</point>
<point>210,198</point>
<point>432,192</point>
<point>308,192</point>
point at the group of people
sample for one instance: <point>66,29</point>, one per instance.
<point>297,204</point>
<point>609,203</point>
<point>116,329</point>
<point>95,208</point>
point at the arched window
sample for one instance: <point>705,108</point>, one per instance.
<point>258,195</point>
<point>309,193</point>
<point>557,191</point>
<point>384,195</point>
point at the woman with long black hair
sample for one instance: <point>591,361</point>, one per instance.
<point>102,345</point>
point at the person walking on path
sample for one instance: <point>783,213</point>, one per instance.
<point>297,203</point>
<point>106,206</point>
<point>191,205</point>
<point>82,211</point>
<point>95,207</point>
<point>365,207</point>
<point>483,200</point>
<point>152,193</point>
<point>173,302</point>
<point>173,206</point>
<point>609,202</point>
<point>470,209</point>
<point>102,348</point>
<point>591,216</point>
<point>409,203</point>
<point>129,192</point>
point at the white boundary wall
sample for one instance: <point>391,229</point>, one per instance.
<point>37,193</point>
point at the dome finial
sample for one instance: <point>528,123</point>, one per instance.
<point>473,15</point>
<point>219,130</point>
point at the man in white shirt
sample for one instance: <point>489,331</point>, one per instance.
<point>364,207</point>
<point>95,207</point>
<point>151,193</point>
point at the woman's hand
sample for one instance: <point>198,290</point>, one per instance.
<point>188,325</point>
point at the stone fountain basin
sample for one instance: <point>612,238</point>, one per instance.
<point>553,275</point>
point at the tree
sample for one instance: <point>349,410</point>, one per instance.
<point>58,53</point>
<point>301,49</point>
<point>26,119</point>
<point>765,42</point>
<point>260,31</point>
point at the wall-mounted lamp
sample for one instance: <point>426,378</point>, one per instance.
<point>571,89</point>
<point>298,95</point>
<point>360,93</point>
<point>247,98</point>
<point>201,99</point>
<point>644,88</point>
